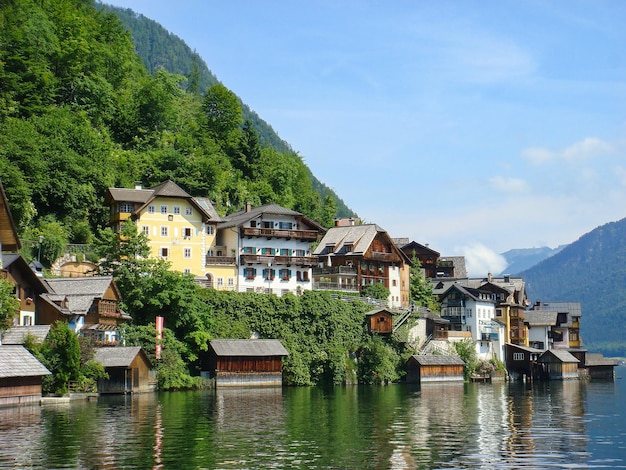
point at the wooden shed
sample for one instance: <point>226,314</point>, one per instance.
<point>237,362</point>
<point>20,376</point>
<point>521,361</point>
<point>557,364</point>
<point>600,367</point>
<point>422,368</point>
<point>128,369</point>
<point>380,321</point>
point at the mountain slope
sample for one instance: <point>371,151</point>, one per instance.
<point>159,48</point>
<point>519,260</point>
<point>591,270</point>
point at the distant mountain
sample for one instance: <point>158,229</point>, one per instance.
<point>592,270</point>
<point>519,260</point>
<point>159,48</point>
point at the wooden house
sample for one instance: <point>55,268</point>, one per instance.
<point>521,361</point>
<point>128,369</point>
<point>20,376</point>
<point>28,287</point>
<point>380,321</point>
<point>422,368</point>
<point>236,362</point>
<point>557,364</point>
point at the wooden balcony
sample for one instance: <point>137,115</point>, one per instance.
<point>310,235</point>
<point>278,260</point>
<point>388,257</point>
<point>220,260</point>
<point>335,271</point>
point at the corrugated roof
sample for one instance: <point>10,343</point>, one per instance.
<point>438,360</point>
<point>248,347</point>
<point>120,356</point>
<point>16,361</point>
<point>18,334</point>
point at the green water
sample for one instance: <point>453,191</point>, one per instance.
<point>560,425</point>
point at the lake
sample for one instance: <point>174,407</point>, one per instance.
<point>553,425</point>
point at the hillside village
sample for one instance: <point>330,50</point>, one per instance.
<point>271,250</point>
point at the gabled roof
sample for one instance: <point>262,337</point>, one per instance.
<point>238,219</point>
<point>470,292</point>
<point>573,308</point>
<point>14,261</point>
<point>560,354</point>
<point>16,361</point>
<point>525,348</point>
<point>540,318</point>
<point>165,189</point>
<point>8,232</point>
<point>437,360</point>
<point>121,356</point>
<point>18,334</point>
<point>248,347</point>
<point>598,359</point>
<point>379,310</point>
<point>405,245</point>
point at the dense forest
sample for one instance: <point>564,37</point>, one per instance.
<point>80,112</point>
<point>592,270</point>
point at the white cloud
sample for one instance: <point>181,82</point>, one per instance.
<point>481,260</point>
<point>586,149</point>
<point>511,185</point>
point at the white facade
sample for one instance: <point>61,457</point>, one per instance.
<point>395,294</point>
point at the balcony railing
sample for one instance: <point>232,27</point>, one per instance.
<point>279,233</point>
<point>220,260</point>
<point>334,286</point>
<point>335,270</point>
<point>279,260</point>
<point>375,255</point>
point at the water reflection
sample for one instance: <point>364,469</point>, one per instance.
<point>559,424</point>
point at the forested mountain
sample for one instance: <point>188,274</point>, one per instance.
<point>159,48</point>
<point>79,112</point>
<point>591,270</point>
<point>521,259</point>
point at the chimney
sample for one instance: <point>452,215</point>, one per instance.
<point>138,185</point>
<point>351,220</point>
<point>248,206</point>
<point>489,277</point>
<point>507,278</point>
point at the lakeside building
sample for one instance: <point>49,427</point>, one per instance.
<point>354,256</point>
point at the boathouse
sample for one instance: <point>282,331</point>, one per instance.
<point>521,361</point>
<point>557,364</point>
<point>21,375</point>
<point>422,368</point>
<point>128,369</point>
<point>380,321</point>
<point>238,362</point>
<point>600,367</point>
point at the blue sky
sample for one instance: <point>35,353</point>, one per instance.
<point>473,126</point>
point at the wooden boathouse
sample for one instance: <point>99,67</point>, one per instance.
<point>556,364</point>
<point>246,362</point>
<point>20,376</point>
<point>423,368</point>
<point>128,369</point>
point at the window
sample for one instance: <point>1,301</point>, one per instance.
<point>209,253</point>
<point>287,225</point>
<point>146,230</point>
<point>268,225</point>
<point>285,274</point>
<point>220,282</point>
<point>176,210</point>
<point>187,252</point>
<point>305,276</point>
<point>165,252</point>
<point>299,252</point>
<point>187,271</point>
<point>284,252</point>
<point>394,283</point>
<point>163,209</point>
<point>250,273</point>
<point>151,209</point>
<point>231,282</point>
<point>187,232</point>
<point>210,229</point>
<point>164,231</point>
<point>298,276</point>
<point>126,207</point>
<point>188,210</point>
<point>268,251</point>
<point>268,274</point>
<point>518,356</point>
<point>249,250</point>
<point>498,312</point>
<point>253,223</point>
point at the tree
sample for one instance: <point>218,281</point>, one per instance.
<point>61,354</point>
<point>376,291</point>
<point>9,304</point>
<point>420,287</point>
<point>222,112</point>
<point>466,350</point>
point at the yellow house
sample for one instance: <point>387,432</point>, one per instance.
<point>180,228</point>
